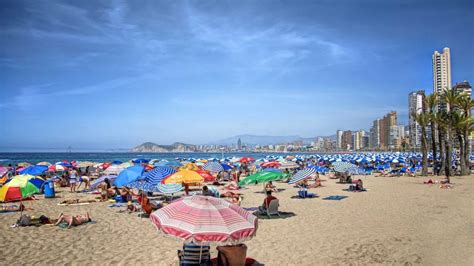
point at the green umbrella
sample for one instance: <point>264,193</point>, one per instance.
<point>261,177</point>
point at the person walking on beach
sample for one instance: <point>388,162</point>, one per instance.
<point>73,179</point>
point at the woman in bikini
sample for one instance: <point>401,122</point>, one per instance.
<point>74,220</point>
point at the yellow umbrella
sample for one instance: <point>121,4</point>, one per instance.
<point>184,176</point>
<point>24,164</point>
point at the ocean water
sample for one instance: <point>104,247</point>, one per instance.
<point>53,157</point>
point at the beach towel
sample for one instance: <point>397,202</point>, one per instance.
<point>283,215</point>
<point>73,204</point>
<point>117,205</point>
<point>251,209</point>
<point>335,197</point>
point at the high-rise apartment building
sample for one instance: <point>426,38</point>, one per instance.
<point>441,70</point>
<point>375,135</point>
<point>416,100</point>
<point>463,87</point>
<point>387,122</point>
<point>339,139</point>
<point>346,142</point>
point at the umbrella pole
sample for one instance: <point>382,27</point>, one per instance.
<point>200,254</point>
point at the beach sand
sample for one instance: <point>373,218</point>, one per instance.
<point>398,221</point>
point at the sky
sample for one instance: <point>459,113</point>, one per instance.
<point>114,74</point>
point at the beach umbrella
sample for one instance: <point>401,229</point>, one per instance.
<point>126,165</point>
<point>343,166</point>
<point>190,166</point>
<point>199,219</point>
<point>20,187</point>
<point>141,160</point>
<point>276,170</point>
<point>157,175</point>
<point>56,168</point>
<point>101,179</point>
<point>169,189</point>
<point>23,164</point>
<point>213,167</point>
<point>34,170</point>
<point>44,163</point>
<point>129,175</point>
<point>246,159</point>
<point>84,164</point>
<point>271,164</point>
<point>206,175</point>
<point>167,163</point>
<point>116,162</point>
<point>113,169</point>
<point>261,177</point>
<point>302,175</point>
<point>226,167</point>
<point>184,176</point>
<point>3,171</point>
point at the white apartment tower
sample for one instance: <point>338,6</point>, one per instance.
<point>441,71</point>
<point>415,105</point>
<point>339,139</point>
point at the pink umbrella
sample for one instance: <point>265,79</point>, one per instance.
<point>205,219</point>
<point>3,171</point>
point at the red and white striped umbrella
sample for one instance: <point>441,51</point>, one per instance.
<point>205,219</point>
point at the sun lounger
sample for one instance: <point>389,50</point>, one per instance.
<point>273,208</point>
<point>193,254</point>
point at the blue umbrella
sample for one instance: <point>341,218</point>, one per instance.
<point>159,173</point>
<point>117,162</point>
<point>34,170</point>
<point>129,175</point>
<point>141,160</point>
<point>302,175</point>
<point>166,163</point>
<point>226,166</point>
<point>213,167</point>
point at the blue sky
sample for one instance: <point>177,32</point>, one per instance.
<point>114,74</point>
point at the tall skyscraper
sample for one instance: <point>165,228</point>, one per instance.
<point>239,144</point>
<point>441,71</point>
<point>375,135</point>
<point>386,123</point>
<point>339,139</point>
<point>346,142</point>
<point>415,106</point>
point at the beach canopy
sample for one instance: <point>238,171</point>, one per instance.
<point>261,177</point>
<point>302,175</point>
<point>129,175</point>
<point>20,187</point>
<point>213,167</point>
<point>34,170</point>
<point>199,219</point>
<point>184,176</point>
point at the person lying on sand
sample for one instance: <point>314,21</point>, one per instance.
<point>73,220</point>
<point>236,198</point>
<point>13,208</point>
<point>232,186</point>
<point>77,201</point>
<point>132,208</point>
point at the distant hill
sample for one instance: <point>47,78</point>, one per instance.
<point>153,147</point>
<point>266,140</point>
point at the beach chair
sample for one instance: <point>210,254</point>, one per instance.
<point>193,254</point>
<point>273,208</point>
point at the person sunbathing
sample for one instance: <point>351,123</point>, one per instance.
<point>77,201</point>
<point>236,198</point>
<point>146,205</point>
<point>232,186</point>
<point>13,208</point>
<point>131,207</point>
<point>73,220</point>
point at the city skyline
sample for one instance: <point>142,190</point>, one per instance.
<point>114,76</point>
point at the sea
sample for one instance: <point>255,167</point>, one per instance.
<point>7,158</point>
